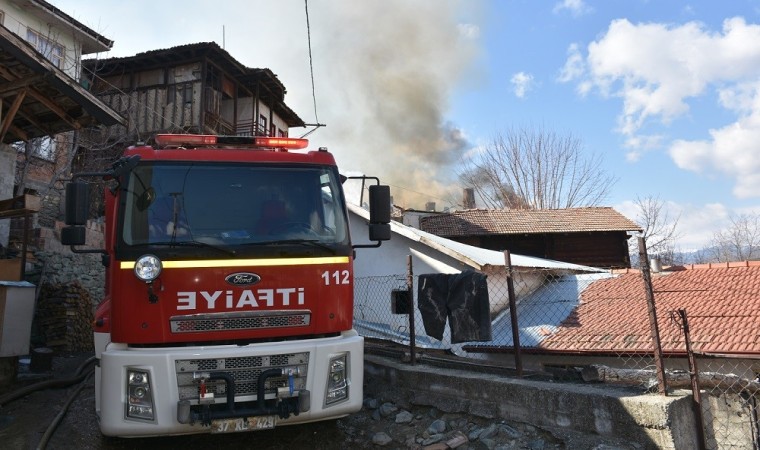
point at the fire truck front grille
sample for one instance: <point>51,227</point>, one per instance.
<point>248,320</point>
<point>244,370</point>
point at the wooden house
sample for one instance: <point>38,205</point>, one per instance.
<point>196,88</point>
<point>593,236</point>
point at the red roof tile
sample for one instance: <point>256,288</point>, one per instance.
<point>474,222</point>
<point>722,306</point>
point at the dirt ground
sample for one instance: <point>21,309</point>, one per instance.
<point>24,423</point>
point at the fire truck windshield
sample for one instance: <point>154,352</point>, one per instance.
<point>198,206</point>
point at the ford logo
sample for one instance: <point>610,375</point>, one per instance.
<point>242,279</point>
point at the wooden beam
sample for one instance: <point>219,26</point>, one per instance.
<point>19,133</point>
<point>16,81</point>
<point>8,121</point>
<point>31,119</point>
<point>19,206</point>
<point>8,74</point>
<point>52,106</point>
<point>10,88</point>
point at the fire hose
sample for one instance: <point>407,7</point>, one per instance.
<point>81,375</point>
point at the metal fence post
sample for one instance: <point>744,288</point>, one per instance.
<point>513,313</point>
<point>654,328</point>
<point>695,390</point>
<point>410,288</point>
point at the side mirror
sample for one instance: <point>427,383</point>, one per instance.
<point>77,203</point>
<point>379,232</point>
<point>379,215</point>
<point>379,203</point>
<point>379,212</point>
<point>77,208</point>
<point>73,235</point>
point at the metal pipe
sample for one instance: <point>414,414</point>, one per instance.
<point>410,287</point>
<point>654,328</point>
<point>513,313</point>
<point>695,390</point>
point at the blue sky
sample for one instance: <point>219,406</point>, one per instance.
<point>665,90</point>
<point>668,92</point>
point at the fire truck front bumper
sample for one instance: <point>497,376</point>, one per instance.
<point>218,389</point>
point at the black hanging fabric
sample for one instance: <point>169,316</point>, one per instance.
<point>432,295</point>
<point>462,299</point>
<point>469,308</point>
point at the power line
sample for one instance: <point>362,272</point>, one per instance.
<point>311,65</point>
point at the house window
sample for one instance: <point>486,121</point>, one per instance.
<point>262,125</point>
<point>281,133</point>
<point>43,148</point>
<point>50,49</point>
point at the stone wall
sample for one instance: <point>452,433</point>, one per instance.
<point>64,268</point>
<point>57,264</point>
<point>7,177</point>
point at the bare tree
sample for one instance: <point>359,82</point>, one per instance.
<point>536,169</point>
<point>740,241</point>
<point>660,230</point>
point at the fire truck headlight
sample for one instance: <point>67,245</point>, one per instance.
<point>139,395</point>
<point>148,268</point>
<point>337,379</point>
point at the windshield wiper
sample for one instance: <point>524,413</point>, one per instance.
<point>307,242</point>
<point>192,244</point>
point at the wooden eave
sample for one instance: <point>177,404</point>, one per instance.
<point>260,82</point>
<point>38,99</point>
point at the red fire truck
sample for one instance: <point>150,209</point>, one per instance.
<point>229,286</point>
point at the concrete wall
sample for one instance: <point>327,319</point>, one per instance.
<point>589,411</point>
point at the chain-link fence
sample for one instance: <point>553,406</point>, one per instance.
<point>585,326</point>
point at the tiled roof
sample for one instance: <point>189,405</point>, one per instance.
<point>474,222</point>
<point>722,304</point>
<point>474,257</point>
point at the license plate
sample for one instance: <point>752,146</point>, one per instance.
<point>243,424</point>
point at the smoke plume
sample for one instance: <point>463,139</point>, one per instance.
<point>384,72</point>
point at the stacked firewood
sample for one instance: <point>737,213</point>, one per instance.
<point>64,317</point>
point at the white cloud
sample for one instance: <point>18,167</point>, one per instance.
<point>469,31</point>
<point>576,7</point>
<point>696,223</point>
<point>658,69</point>
<point>733,151</point>
<point>575,66</point>
<point>522,83</point>
<point>655,67</point>
<point>639,144</point>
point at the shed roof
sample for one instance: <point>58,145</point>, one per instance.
<point>721,302</point>
<point>474,222</point>
<point>478,258</point>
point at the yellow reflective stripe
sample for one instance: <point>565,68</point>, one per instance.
<point>244,262</point>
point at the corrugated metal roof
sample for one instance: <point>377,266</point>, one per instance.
<point>475,222</point>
